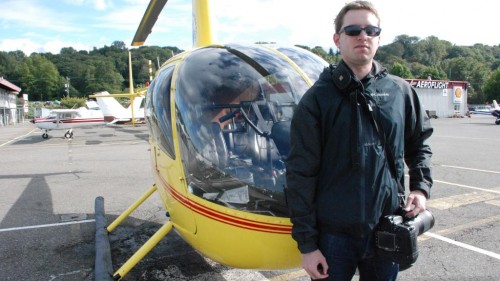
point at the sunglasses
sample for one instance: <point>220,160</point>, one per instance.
<point>355,30</point>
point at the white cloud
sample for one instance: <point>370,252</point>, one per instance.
<point>101,4</point>
<point>29,46</point>
<point>26,45</point>
<point>44,24</point>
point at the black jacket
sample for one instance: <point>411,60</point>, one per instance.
<point>338,178</point>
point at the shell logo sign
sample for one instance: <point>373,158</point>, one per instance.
<point>458,94</point>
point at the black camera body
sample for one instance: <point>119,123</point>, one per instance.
<point>396,237</point>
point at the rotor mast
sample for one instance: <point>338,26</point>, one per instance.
<point>202,26</point>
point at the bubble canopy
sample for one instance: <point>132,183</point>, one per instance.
<point>234,106</point>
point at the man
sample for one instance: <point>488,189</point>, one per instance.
<point>339,180</point>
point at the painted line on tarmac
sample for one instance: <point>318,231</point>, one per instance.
<point>461,227</point>
<point>289,275</point>
<point>463,245</point>
<point>44,225</point>
<point>16,138</point>
<point>79,272</point>
<point>464,138</point>
<point>471,169</point>
<point>461,200</point>
<point>469,186</point>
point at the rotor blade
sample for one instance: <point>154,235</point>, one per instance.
<point>148,21</point>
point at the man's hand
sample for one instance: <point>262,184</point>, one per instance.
<point>415,203</point>
<point>314,263</point>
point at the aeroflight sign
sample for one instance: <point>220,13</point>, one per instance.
<point>429,84</point>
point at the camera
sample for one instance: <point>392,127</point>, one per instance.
<point>396,237</point>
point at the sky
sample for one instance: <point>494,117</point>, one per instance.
<point>48,25</point>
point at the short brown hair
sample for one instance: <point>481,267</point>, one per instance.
<point>355,5</point>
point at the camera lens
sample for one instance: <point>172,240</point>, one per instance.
<point>424,221</point>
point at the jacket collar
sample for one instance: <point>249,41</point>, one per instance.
<point>377,71</point>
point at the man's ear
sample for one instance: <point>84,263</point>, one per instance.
<point>336,39</point>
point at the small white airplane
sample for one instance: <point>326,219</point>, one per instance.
<point>488,110</point>
<point>67,119</point>
<point>496,112</point>
<point>115,113</point>
<point>481,110</point>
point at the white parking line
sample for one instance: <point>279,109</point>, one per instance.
<point>471,169</point>
<point>460,200</point>
<point>44,225</point>
<point>463,245</point>
<point>469,186</point>
<point>7,142</point>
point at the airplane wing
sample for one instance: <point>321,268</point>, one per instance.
<point>148,21</point>
<point>59,111</point>
<point>116,120</point>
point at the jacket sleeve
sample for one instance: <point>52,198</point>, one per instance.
<point>302,170</point>
<point>418,153</point>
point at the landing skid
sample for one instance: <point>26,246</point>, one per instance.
<point>103,264</point>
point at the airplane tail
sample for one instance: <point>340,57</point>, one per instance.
<point>114,112</point>
<point>495,105</point>
<point>110,107</point>
<point>137,103</point>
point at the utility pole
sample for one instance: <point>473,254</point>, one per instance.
<point>68,85</point>
<point>131,86</point>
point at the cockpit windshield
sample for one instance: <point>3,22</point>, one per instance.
<point>234,108</point>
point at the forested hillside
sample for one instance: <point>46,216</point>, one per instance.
<point>46,76</point>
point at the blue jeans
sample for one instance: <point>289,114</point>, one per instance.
<point>344,254</point>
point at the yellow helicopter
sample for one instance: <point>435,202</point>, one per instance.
<point>219,121</point>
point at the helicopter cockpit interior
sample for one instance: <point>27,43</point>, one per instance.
<point>234,106</point>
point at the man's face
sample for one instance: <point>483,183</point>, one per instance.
<point>359,49</point>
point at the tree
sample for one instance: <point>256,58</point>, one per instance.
<point>430,51</point>
<point>491,88</point>
<point>407,42</point>
<point>400,70</point>
<point>471,70</point>
<point>433,72</point>
<point>39,78</point>
<point>102,76</point>
<point>104,68</point>
<point>72,102</point>
<point>67,51</point>
<point>120,45</point>
<point>7,65</point>
<point>319,51</point>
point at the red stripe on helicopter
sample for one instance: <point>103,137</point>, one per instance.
<point>225,218</point>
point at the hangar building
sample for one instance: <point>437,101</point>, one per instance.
<point>442,98</point>
<point>8,102</point>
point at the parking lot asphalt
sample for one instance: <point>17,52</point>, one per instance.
<point>48,188</point>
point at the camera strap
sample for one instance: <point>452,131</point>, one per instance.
<point>387,149</point>
<point>346,82</point>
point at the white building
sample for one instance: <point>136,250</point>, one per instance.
<point>8,102</point>
<point>442,98</point>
